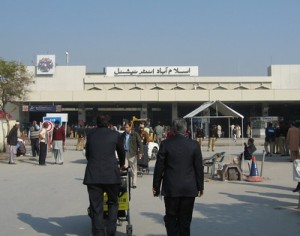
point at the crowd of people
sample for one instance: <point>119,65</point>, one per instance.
<point>178,180</point>
<point>41,142</point>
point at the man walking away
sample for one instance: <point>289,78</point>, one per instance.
<point>12,140</point>
<point>269,139</point>
<point>179,168</point>
<point>102,174</point>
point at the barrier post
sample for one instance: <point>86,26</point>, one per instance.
<point>299,202</point>
<point>262,163</point>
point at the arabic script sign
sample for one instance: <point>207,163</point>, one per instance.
<point>153,71</point>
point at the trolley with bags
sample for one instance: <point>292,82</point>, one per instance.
<point>123,200</point>
<point>143,162</point>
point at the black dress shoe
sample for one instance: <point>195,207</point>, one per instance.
<point>133,186</point>
<point>297,189</point>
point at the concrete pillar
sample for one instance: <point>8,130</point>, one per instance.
<point>174,111</point>
<point>81,114</point>
<point>206,122</point>
<point>144,111</point>
<point>265,109</point>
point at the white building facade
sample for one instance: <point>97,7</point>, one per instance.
<point>159,93</point>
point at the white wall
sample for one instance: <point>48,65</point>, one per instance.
<point>65,78</point>
<point>285,76</point>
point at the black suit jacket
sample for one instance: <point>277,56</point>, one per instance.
<point>102,166</point>
<point>179,167</point>
<point>12,138</point>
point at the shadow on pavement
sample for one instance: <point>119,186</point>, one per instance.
<point>275,195</point>
<point>263,185</point>
<point>75,225</point>
<point>251,215</point>
<point>79,161</point>
<point>60,226</point>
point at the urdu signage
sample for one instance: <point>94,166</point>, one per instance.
<point>152,71</point>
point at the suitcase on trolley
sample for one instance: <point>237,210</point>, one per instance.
<point>123,202</point>
<point>142,163</point>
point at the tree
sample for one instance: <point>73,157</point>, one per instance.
<point>14,86</point>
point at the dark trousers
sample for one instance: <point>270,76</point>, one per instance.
<point>100,227</point>
<point>43,153</point>
<point>35,147</point>
<point>178,218</point>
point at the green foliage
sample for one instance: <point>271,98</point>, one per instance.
<point>14,82</point>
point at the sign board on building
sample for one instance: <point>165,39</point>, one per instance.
<point>45,65</point>
<point>52,119</point>
<point>62,116</point>
<point>43,108</point>
<point>152,71</point>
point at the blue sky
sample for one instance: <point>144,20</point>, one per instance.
<point>222,37</point>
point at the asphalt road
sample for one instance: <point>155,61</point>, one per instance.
<point>51,200</point>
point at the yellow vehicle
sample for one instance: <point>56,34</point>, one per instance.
<point>135,122</point>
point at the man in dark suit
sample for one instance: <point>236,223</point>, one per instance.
<point>102,174</point>
<point>179,168</point>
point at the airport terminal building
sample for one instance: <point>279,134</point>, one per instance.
<point>159,93</point>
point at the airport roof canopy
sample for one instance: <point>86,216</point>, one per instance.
<point>218,106</point>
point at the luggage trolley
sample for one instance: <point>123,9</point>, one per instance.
<point>123,199</point>
<point>143,163</point>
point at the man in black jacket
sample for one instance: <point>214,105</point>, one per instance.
<point>102,174</point>
<point>179,168</point>
<point>12,140</point>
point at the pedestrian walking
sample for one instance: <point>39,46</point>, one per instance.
<point>34,131</point>
<point>199,135</point>
<point>44,138</point>
<point>102,174</point>
<point>81,138</point>
<point>213,135</point>
<point>12,140</point>
<point>58,143</point>
<point>269,139</point>
<point>234,133</point>
<point>134,149</point>
<point>158,133</point>
<point>179,170</point>
<point>293,140</point>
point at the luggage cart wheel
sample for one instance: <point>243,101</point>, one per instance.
<point>129,230</point>
<point>120,223</point>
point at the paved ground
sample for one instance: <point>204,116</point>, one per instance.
<point>51,200</point>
